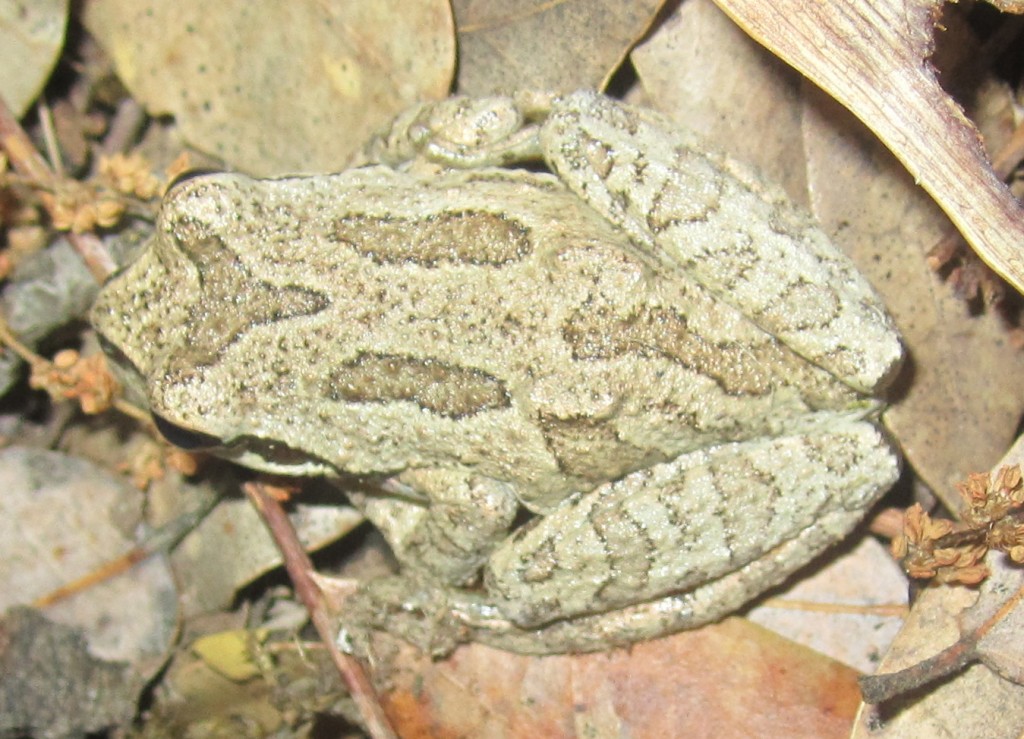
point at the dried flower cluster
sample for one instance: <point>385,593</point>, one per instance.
<point>969,277</point>
<point>82,206</point>
<point>70,375</point>
<point>954,553</point>
<point>129,175</point>
<point>79,207</point>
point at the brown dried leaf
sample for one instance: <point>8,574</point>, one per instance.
<point>871,56</point>
<point>278,87</point>
<point>729,679</point>
<point>560,47</point>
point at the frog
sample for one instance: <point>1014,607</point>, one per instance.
<point>594,381</point>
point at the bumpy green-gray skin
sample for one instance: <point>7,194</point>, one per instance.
<point>652,350</point>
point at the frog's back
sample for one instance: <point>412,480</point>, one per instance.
<point>488,320</point>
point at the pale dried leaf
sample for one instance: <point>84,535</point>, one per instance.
<point>60,519</point>
<point>1009,6</point>
<point>848,610</point>
<point>871,56</point>
<point>232,547</point>
<point>560,47</point>
<point>31,38</point>
<point>278,87</point>
<point>1001,648</point>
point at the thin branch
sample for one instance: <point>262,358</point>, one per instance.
<point>19,148</point>
<point>300,569</point>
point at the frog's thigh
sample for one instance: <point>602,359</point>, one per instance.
<point>669,614</point>
<point>728,229</point>
<point>453,531</point>
<point>684,526</point>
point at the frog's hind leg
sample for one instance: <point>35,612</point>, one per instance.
<point>690,540</point>
<point>719,222</point>
<point>654,618</point>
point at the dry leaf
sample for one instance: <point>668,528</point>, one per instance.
<point>849,610</point>
<point>560,47</point>
<point>272,88</point>
<point>232,547</point>
<point>732,679</point>
<point>62,518</point>
<point>31,39</point>
<point>230,653</point>
<point>870,55</point>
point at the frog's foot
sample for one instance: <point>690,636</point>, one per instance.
<point>411,608</point>
<point>450,536</point>
<point>463,133</point>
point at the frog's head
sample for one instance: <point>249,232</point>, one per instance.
<point>176,325</point>
<point>145,336</point>
<point>138,316</point>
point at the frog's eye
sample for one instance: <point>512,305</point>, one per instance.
<point>187,439</point>
<point>189,174</point>
<point>113,351</point>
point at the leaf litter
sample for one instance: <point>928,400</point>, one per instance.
<point>243,96</point>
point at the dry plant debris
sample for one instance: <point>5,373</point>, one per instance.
<point>952,553</point>
<point>309,114</point>
<point>872,56</point>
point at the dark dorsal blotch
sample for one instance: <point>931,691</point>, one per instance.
<point>231,300</point>
<point>463,237</point>
<point>650,331</point>
<point>445,389</point>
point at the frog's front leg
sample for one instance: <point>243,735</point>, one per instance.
<point>441,523</point>
<point>680,544</point>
